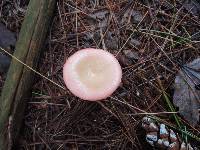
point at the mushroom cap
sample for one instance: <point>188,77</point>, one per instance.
<point>92,74</point>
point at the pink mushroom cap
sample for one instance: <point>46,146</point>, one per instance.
<point>92,74</point>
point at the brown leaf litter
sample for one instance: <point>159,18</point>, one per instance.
<point>187,91</point>
<point>55,119</point>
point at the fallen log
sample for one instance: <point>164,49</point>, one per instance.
<point>19,78</point>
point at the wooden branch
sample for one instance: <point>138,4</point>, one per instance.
<point>19,78</point>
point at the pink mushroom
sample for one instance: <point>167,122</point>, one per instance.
<point>92,74</point>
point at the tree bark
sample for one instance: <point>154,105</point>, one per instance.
<point>19,78</point>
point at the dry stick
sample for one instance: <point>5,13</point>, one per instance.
<point>158,113</point>
<point>167,33</point>
<point>135,108</point>
<point>106,108</point>
<point>19,79</point>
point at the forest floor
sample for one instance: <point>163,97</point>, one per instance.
<point>147,37</point>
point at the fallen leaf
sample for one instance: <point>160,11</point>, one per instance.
<point>187,91</point>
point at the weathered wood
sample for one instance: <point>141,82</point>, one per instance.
<point>19,78</point>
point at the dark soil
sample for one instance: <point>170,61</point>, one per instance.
<point>146,38</point>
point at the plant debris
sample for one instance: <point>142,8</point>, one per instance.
<point>131,54</point>
<point>192,6</point>
<point>58,120</point>
<point>187,91</point>
<point>163,33</point>
<point>161,137</point>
